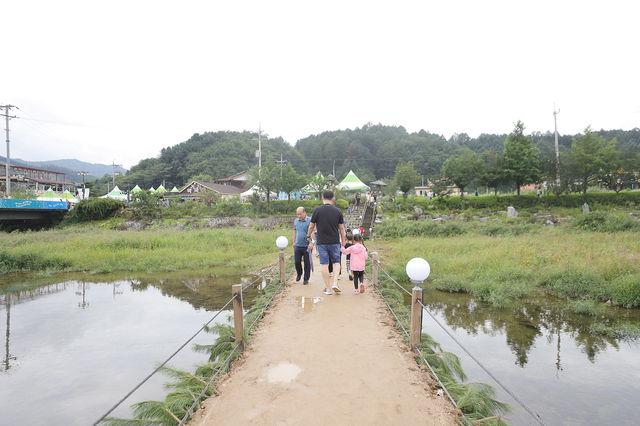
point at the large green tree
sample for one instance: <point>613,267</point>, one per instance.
<point>591,157</point>
<point>406,177</point>
<point>521,164</point>
<point>462,169</point>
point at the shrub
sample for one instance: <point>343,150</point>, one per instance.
<point>603,222</point>
<point>342,204</point>
<point>94,209</point>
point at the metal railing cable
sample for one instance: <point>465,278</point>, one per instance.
<point>522,404</point>
<point>262,275</point>
<point>196,402</point>
<point>165,361</point>
<point>394,281</point>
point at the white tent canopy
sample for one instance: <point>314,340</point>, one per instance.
<point>352,183</point>
<point>116,194</point>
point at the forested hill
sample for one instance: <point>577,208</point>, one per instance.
<point>372,151</point>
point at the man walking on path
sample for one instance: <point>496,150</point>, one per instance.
<point>330,225</point>
<point>301,244</point>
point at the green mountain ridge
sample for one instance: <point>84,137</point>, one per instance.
<point>372,152</point>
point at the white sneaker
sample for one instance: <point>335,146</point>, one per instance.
<point>339,277</point>
<point>336,289</point>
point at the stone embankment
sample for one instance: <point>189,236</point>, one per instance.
<point>209,222</point>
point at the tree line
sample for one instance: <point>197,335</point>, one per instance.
<point>376,151</point>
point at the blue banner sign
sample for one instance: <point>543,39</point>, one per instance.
<point>32,204</point>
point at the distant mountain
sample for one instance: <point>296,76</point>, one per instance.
<point>70,167</point>
<point>97,170</point>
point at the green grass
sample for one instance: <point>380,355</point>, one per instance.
<point>566,261</point>
<point>95,249</point>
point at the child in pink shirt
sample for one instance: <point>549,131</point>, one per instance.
<point>358,256</point>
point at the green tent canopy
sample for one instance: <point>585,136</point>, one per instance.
<point>116,194</point>
<point>161,190</point>
<point>136,189</point>
<point>174,189</point>
<point>66,195</point>
<point>49,195</point>
<point>352,183</point>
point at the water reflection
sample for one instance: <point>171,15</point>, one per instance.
<point>525,322</point>
<point>86,343</point>
<point>546,355</point>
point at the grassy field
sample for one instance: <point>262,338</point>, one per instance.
<point>501,262</point>
<point>94,249</point>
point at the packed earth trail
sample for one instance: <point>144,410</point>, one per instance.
<point>318,360</point>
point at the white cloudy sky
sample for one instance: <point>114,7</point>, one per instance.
<point>119,80</point>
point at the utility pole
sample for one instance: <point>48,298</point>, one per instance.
<point>282,163</point>
<point>259,153</point>
<point>6,128</point>
<point>113,169</point>
<point>555,124</point>
<point>84,191</point>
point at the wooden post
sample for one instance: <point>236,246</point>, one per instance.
<point>374,268</point>
<point>282,274</point>
<point>416,318</point>
<point>238,316</point>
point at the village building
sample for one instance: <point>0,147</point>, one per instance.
<point>239,180</point>
<point>198,190</point>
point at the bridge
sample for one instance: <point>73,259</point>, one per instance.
<point>16,212</point>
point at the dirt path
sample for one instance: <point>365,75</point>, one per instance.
<point>338,361</point>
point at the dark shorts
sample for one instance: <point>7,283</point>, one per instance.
<point>329,253</point>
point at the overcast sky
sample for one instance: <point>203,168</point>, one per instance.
<point>120,80</point>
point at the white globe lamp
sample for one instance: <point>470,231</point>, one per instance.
<point>282,242</point>
<point>418,270</point>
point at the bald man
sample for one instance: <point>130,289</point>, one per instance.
<point>301,244</point>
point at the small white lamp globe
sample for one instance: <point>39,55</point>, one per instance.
<point>282,242</point>
<point>418,270</point>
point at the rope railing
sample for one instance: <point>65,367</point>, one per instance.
<point>444,388</point>
<point>248,330</point>
<point>260,277</point>
<point>163,363</point>
<point>536,416</point>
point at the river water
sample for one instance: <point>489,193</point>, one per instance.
<point>73,346</point>
<point>545,356</point>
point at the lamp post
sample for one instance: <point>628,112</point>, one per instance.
<point>418,270</point>
<point>282,243</point>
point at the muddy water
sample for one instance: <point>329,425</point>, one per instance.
<point>72,346</point>
<point>546,356</point>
